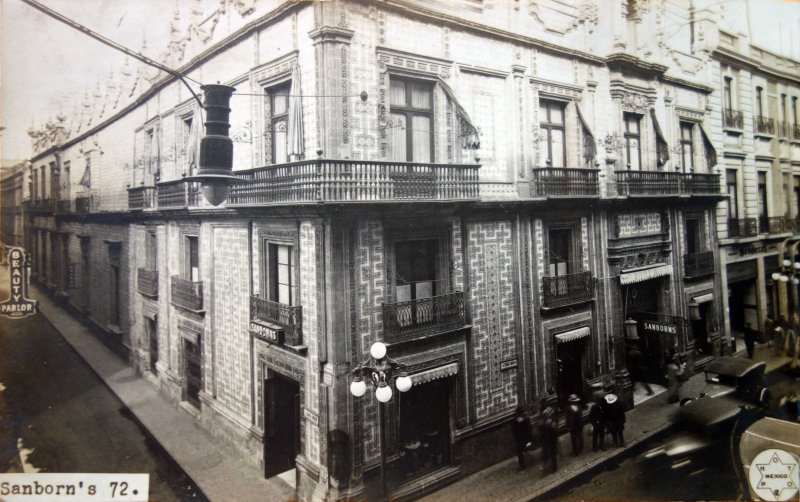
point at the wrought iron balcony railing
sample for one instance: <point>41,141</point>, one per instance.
<point>564,182</point>
<point>764,125</point>
<point>698,264</point>
<point>784,129</point>
<point>424,317</point>
<point>142,197</point>
<point>771,224</point>
<point>288,317</point>
<point>745,227</point>
<point>732,119</point>
<point>85,204</point>
<point>186,294</point>
<point>665,183</point>
<point>177,194</point>
<point>354,180</point>
<point>796,131</point>
<point>567,289</point>
<point>147,282</point>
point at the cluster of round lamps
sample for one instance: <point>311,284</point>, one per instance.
<point>777,276</point>
<point>383,392</point>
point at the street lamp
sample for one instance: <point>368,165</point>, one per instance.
<point>382,372</point>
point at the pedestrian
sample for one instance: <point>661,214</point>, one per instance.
<point>575,422</point>
<point>548,432</point>
<point>674,379</point>
<point>638,369</point>
<point>521,429</point>
<point>615,416</point>
<point>749,340</point>
<point>778,333</point>
<point>597,418</point>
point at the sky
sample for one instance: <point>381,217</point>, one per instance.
<point>46,64</point>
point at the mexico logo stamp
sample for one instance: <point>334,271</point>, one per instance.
<point>18,305</point>
<point>774,475</point>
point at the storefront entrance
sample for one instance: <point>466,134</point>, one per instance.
<point>569,378</point>
<point>281,424</point>
<point>642,304</point>
<point>424,427</point>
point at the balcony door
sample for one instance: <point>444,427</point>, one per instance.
<point>416,277</point>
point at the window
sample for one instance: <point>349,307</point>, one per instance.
<point>551,125</point>
<point>190,138</point>
<point>65,265</point>
<point>687,147</point>
<point>34,184</point>
<point>692,235</point>
<point>760,101</point>
<point>415,268</point>
<point>794,110</point>
<point>762,195</point>
<point>281,274</point>
<point>151,329</point>
<point>727,84</point>
<point>114,280</point>
<point>633,154</point>
<point>43,180</point>
<point>797,196</point>
<point>86,256</point>
<point>277,123</point>
<point>411,111</point>
<point>561,254</point>
<point>151,250</point>
<point>192,372</point>
<point>784,111</point>
<point>55,181</point>
<point>65,182</point>
<point>733,194</point>
<point>192,259</point>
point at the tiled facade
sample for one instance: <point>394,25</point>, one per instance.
<point>535,266</point>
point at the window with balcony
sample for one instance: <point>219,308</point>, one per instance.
<point>732,189</point>
<point>693,238</point>
<point>633,154</point>
<point>55,181</point>
<point>190,136</point>
<point>277,120</point>
<point>43,181</point>
<point>565,282</point>
<point>191,261</point>
<point>151,250</point>
<point>276,308</point>
<point>34,184</point>
<point>762,201</point>
<point>551,128</point>
<point>727,92</point>
<point>411,103</point>
<point>281,276</point>
<point>561,251</point>
<point>687,146</point>
<point>186,290</point>
<point>114,283</point>
<point>415,268</point>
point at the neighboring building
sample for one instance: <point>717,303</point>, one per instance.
<point>493,197</point>
<point>12,188</point>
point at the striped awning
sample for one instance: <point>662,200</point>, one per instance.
<point>572,335</point>
<point>704,298</point>
<point>429,375</point>
<point>644,274</point>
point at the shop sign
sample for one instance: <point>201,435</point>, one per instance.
<point>266,333</point>
<point>660,327</point>
<point>18,305</point>
<point>508,364</point>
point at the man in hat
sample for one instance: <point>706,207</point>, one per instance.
<point>548,431</point>
<point>598,419</point>
<point>674,379</point>
<point>615,416</point>
<point>575,422</point>
<point>521,429</point>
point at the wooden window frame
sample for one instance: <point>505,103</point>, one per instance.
<point>637,118</point>
<point>410,111</point>
<point>548,126</point>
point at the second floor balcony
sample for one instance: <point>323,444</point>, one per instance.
<point>147,282</point>
<point>174,194</point>
<point>698,264</point>
<point>772,225</point>
<point>666,183</point>
<point>423,317</point>
<point>764,125</point>
<point>742,227</point>
<point>285,321</point>
<point>142,197</point>
<point>85,203</point>
<point>732,119</point>
<point>565,182</point>
<point>186,294</point>
<point>567,289</point>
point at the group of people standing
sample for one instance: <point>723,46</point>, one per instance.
<point>606,415</point>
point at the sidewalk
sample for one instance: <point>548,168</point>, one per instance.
<point>504,482</point>
<point>214,467</point>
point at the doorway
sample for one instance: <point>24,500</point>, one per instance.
<point>569,368</point>
<point>281,424</point>
<point>424,428</point>
<point>152,336</point>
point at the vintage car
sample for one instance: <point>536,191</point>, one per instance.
<point>735,377</point>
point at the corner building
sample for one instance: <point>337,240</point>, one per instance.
<point>490,188</point>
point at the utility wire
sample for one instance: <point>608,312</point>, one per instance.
<point>114,45</point>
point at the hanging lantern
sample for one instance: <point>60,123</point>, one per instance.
<point>694,310</point>
<point>631,329</point>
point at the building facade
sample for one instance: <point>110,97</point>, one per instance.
<point>500,199</point>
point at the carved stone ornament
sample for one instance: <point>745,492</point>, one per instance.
<point>635,102</point>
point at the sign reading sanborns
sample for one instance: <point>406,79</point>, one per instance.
<point>18,305</point>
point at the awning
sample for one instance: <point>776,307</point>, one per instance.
<point>572,335</point>
<point>662,147</point>
<point>711,152</point>
<point>468,131</point>
<point>589,149</point>
<point>434,373</point>
<point>704,298</point>
<point>645,274</point>
<point>295,128</point>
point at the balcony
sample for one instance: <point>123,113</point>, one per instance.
<point>764,125</point>
<point>664,183</point>
<point>39,205</point>
<point>567,289</point>
<point>745,227</point>
<point>771,225</point>
<point>354,180</point>
<point>84,204</point>
<point>187,294</point>
<point>64,206</point>
<point>147,282</point>
<point>287,319</point>
<point>428,316</point>
<point>175,194</point>
<point>698,264</point>
<point>142,198</point>
<point>784,129</point>
<point>796,132</point>
<point>564,182</point>
<point>732,119</point>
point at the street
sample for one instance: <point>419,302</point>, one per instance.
<point>56,415</point>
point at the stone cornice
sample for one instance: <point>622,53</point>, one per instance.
<point>734,58</point>
<point>331,34</point>
<point>627,63</point>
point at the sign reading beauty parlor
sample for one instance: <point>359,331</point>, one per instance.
<point>18,305</point>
